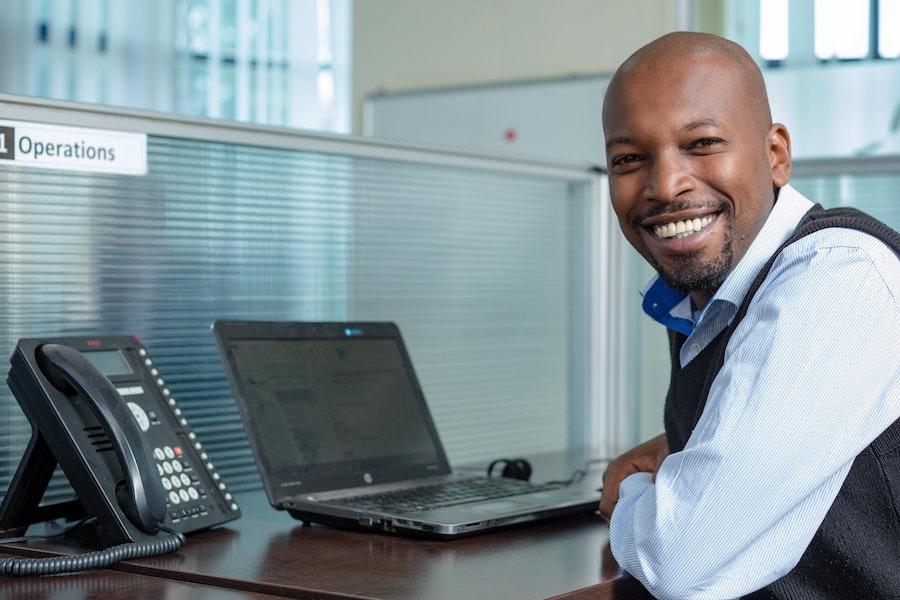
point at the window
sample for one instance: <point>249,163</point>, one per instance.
<point>793,33</point>
<point>841,29</point>
<point>831,69</point>
<point>276,62</point>
<point>774,42</point>
<point>889,28</point>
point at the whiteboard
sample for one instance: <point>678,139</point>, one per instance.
<point>556,119</point>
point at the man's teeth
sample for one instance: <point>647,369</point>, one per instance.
<point>680,229</point>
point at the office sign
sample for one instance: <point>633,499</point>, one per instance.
<point>73,148</point>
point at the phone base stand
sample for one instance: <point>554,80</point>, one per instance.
<point>21,506</point>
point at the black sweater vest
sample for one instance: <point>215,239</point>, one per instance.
<point>856,551</point>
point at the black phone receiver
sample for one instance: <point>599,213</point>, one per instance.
<point>141,496</point>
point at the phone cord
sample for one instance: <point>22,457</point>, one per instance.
<point>54,565</point>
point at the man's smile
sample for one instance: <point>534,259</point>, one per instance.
<point>683,227</point>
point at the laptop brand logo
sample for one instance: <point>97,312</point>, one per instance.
<point>368,478</point>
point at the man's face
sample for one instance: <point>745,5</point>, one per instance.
<point>691,166</point>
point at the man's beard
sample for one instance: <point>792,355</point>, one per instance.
<point>692,274</point>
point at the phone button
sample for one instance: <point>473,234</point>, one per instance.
<point>140,416</point>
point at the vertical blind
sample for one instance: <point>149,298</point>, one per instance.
<point>483,267</point>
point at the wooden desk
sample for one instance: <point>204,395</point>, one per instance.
<point>276,554</point>
<point>113,585</point>
<point>268,552</point>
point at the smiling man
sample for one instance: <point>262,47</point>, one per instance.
<point>778,475</point>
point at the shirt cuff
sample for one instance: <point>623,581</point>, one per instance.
<point>633,482</point>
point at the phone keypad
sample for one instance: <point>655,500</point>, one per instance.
<point>184,489</point>
<point>194,490</point>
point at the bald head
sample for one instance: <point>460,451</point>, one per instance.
<point>682,48</point>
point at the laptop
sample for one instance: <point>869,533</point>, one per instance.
<point>342,435</point>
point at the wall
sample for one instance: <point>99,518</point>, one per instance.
<point>401,45</point>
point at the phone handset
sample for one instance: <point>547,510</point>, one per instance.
<point>141,496</point>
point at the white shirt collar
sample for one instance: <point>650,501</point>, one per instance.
<point>780,224</point>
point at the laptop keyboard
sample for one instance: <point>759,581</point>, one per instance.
<point>443,494</point>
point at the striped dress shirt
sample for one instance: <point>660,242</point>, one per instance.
<point>811,377</point>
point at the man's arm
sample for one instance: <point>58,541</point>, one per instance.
<point>644,458</point>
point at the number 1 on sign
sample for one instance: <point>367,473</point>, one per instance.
<point>3,149</point>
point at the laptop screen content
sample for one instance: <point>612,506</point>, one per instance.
<point>333,412</point>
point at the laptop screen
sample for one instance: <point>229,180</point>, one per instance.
<point>329,406</point>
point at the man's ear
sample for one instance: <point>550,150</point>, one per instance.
<point>779,145</point>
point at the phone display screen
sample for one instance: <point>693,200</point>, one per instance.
<point>110,362</point>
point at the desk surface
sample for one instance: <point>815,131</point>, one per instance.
<point>268,552</point>
<point>113,585</point>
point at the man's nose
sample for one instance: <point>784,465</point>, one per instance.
<point>668,177</point>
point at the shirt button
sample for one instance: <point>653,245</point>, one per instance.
<point>695,348</point>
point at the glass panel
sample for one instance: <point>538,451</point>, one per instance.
<point>484,269</point>
<point>773,29</point>
<point>874,193</point>
<point>889,28</point>
<point>842,29</point>
<point>276,62</point>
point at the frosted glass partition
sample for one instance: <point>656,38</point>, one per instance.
<point>492,268</point>
<point>868,183</point>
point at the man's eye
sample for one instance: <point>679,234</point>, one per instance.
<point>624,160</point>
<point>705,143</point>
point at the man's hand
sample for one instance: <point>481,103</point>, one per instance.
<point>643,458</point>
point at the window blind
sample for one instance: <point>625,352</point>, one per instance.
<point>483,265</point>
<point>874,193</point>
